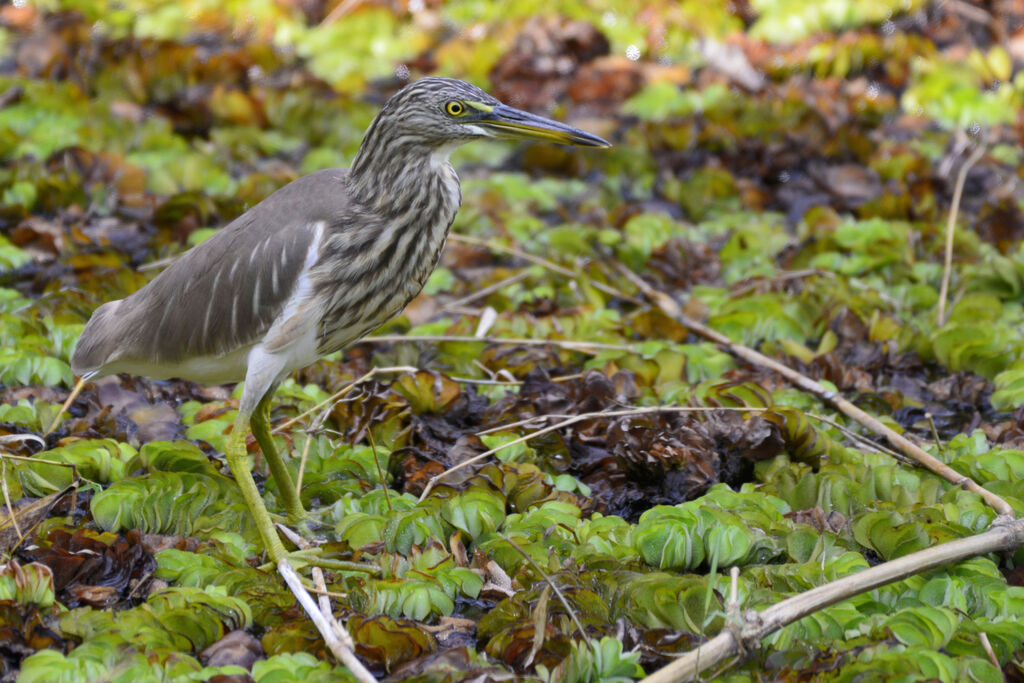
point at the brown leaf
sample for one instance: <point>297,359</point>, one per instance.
<point>236,648</point>
<point>497,584</point>
<point>457,661</point>
<point>853,184</point>
<point>417,471</point>
<point>606,81</point>
<point>83,559</point>
<point>382,640</point>
<point>452,630</point>
<point>27,517</point>
<point>99,597</point>
<point>751,437</point>
<point>538,67</point>
<point>154,543</point>
<point>833,522</point>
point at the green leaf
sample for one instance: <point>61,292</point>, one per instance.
<point>927,627</point>
<point>476,512</point>
<point>669,538</point>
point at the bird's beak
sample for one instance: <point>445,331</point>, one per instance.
<point>507,122</point>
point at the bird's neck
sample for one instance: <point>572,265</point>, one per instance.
<point>393,170</point>
<point>411,188</point>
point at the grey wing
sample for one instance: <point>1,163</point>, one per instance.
<point>222,295</point>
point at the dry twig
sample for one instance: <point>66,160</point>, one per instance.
<point>486,291</point>
<point>341,393</point>
<point>341,646</point>
<point>954,209</point>
<point>11,513</point>
<point>550,582</point>
<point>863,440</point>
<point>64,407</point>
<point>571,344</point>
<point>543,262</point>
<point>1004,536</point>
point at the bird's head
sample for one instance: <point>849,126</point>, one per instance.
<point>445,112</point>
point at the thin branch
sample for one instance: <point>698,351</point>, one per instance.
<point>570,344</point>
<point>935,433</point>
<point>863,440</point>
<point>338,395</point>
<point>983,637</point>
<point>343,651</point>
<point>314,427</point>
<point>489,382</point>
<point>343,8</point>
<point>1004,536</point>
<point>732,607</point>
<point>41,461</point>
<point>805,383</point>
<point>380,470</point>
<point>756,282</point>
<point>310,556</point>
<point>330,594</point>
<point>954,209</point>
<point>64,407</point>
<point>512,425</point>
<point>486,291</point>
<point>558,591</point>
<point>970,12</point>
<point>12,513</point>
<point>543,262</point>
<point>322,598</point>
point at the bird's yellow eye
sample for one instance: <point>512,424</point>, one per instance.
<point>455,108</point>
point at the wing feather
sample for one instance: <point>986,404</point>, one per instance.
<point>224,294</point>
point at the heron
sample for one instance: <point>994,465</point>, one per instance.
<point>309,270</point>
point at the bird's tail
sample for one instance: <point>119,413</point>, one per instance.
<point>98,342</point>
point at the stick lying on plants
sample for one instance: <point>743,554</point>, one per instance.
<point>553,267</point>
<point>334,634</point>
<point>954,208</point>
<point>670,308</point>
<point>67,404</point>
<point>1002,536</point>
<point>560,343</point>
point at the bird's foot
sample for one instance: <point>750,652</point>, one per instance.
<point>307,534</point>
<point>304,531</point>
<point>319,556</point>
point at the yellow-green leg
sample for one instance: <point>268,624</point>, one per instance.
<point>285,485</point>
<point>238,462</point>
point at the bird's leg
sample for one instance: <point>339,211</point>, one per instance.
<point>238,462</point>
<point>286,490</point>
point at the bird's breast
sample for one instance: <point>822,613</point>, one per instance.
<point>381,278</point>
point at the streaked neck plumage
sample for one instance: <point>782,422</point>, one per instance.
<point>396,171</point>
<point>408,193</point>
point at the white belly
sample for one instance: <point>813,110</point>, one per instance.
<point>230,367</point>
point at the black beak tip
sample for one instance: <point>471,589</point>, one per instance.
<point>581,138</point>
<point>596,142</point>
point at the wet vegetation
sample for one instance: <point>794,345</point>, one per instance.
<point>783,169</point>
